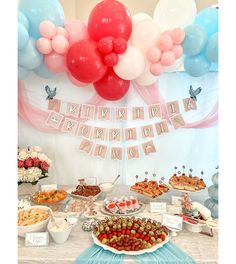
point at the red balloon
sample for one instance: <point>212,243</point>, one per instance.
<point>105,45</point>
<point>120,45</point>
<point>85,62</point>
<point>111,60</point>
<point>109,18</point>
<point>111,87</point>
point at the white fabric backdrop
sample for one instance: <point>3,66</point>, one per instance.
<point>196,148</point>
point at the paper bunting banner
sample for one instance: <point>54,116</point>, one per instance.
<point>121,113</point>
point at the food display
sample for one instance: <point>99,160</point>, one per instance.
<point>81,207</point>
<point>151,189</point>
<point>124,205</point>
<point>49,197</point>
<point>187,183</point>
<point>32,216</point>
<point>130,234</point>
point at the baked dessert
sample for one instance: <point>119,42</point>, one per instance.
<point>151,189</point>
<point>188,183</point>
<point>124,205</point>
<point>87,190</point>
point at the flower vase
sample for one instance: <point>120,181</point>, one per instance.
<point>27,189</point>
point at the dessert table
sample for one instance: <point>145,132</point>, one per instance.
<point>202,248</point>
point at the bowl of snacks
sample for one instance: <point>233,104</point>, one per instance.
<point>60,230</point>
<point>48,197</point>
<point>33,219</point>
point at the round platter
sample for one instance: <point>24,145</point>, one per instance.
<point>35,202</point>
<point>131,253</point>
<point>185,191</point>
<point>104,211</point>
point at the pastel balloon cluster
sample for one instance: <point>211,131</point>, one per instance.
<point>167,50</point>
<point>54,45</point>
<point>92,60</point>
<point>53,38</point>
<point>201,43</point>
<point>30,15</point>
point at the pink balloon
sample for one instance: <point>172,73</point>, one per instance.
<point>47,29</point>
<point>157,69</point>
<point>167,32</point>
<point>178,51</point>
<point>165,43</point>
<point>75,81</point>
<point>177,35</point>
<point>55,62</point>
<point>167,58</point>
<point>154,55</point>
<point>62,32</point>
<point>44,45</point>
<point>76,31</point>
<point>60,44</point>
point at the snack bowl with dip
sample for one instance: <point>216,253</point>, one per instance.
<point>60,230</point>
<point>107,187</point>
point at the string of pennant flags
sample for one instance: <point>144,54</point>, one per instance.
<point>68,121</point>
<point>105,113</point>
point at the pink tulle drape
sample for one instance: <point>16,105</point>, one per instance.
<point>150,94</point>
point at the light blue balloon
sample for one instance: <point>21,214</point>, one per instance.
<point>208,18</point>
<point>38,10</point>
<point>43,71</point>
<point>214,67</point>
<point>196,66</point>
<point>212,48</point>
<point>23,36</point>
<point>195,40</point>
<point>29,57</point>
<point>23,20</point>
<point>22,73</point>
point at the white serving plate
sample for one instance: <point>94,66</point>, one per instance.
<point>185,191</point>
<point>104,211</point>
<point>151,198</point>
<point>81,197</point>
<point>131,253</point>
<point>39,227</point>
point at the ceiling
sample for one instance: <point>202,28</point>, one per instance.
<point>80,9</point>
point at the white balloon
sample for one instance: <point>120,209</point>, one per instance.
<point>175,13</point>
<point>140,17</point>
<point>131,64</point>
<point>145,35</point>
<point>146,78</point>
<point>177,66</point>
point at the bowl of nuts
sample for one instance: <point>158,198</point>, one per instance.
<point>33,219</point>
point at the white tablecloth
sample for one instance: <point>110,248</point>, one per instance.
<point>203,249</point>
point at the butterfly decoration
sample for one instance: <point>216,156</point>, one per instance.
<point>50,93</point>
<point>193,93</point>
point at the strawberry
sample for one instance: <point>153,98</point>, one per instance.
<point>147,238</point>
<point>127,232</point>
<point>123,232</point>
<point>162,237</point>
<point>118,234</point>
<point>142,236</point>
<point>137,235</point>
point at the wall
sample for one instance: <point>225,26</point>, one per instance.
<point>80,9</point>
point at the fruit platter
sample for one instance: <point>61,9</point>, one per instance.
<point>48,197</point>
<point>130,235</point>
<point>124,206</point>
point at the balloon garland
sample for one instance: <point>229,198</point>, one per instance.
<point>115,48</point>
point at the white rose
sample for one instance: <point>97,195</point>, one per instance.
<point>37,149</point>
<point>42,157</point>
<point>33,154</point>
<point>49,161</point>
<point>23,155</point>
